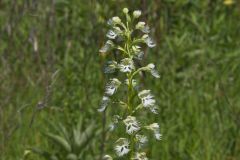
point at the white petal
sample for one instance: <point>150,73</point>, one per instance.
<point>121,150</point>
<point>126,65</point>
<point>140,156</point>
<point>132,125</point>
<point>125,68</point>
<point>132,128</point>
<point>111,34</point>
<point>122,146</point>
<point>158,136</point>
<point>148,101</point>
<point>155,73</point>
<point>110,90</point>
<point>104,103</point>
<point>149,42</point>
<point>141,139</point>
<point>112,86</point>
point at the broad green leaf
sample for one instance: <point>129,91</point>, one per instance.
<point>59,141</point>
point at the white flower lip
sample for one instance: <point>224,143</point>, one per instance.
<point>132,125</point>
<point>141,139</point>
<point>155,73</point>
<point>110,90</point>
<point>122,146</point>
<point>158,136</point>
<point>104,103</point>
<point>126,65</point>
<point>147,98</point>
<point>148,101</point>
<point>111,34</point>
<point>112,86</point>
<point>148,40</point>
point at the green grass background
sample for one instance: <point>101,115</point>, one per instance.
<point>197,55</point>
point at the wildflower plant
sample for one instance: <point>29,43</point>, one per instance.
<point>124,39</point>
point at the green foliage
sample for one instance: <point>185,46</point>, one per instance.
<point>73,144</point>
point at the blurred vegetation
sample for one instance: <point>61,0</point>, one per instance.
<point>51,73</point>
<point>74,144</point>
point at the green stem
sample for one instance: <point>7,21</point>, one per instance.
<point>131,109</point>
<point>137,71</point>
<point>130,89</point>
<point>138,41</point>
<point>121,49</point>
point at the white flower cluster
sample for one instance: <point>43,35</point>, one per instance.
<point>131,51</point>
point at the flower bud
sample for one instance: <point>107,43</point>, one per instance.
<point>153,126</point>
<point>125,10</point>
<point>116,20</point>
<point>140,25</point>
<point>145,36</point>
<point>136,49</point>
<point>151,66</point>
<point>118,30</point>
<point>137,13</point>
<point>107,157</point>
<point>228,2</point>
